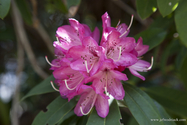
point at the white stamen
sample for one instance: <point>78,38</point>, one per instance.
<point>75,86</point>
<point>119,53</point>
<point>118,23</point>
<point>60,43</point>
<point>106,91</point>
<point>128,27</point>
<point>119,56</point>
<point>151,64</point>
<point>86,64</point>
<point>49,62</point>
<point>54,87</point>
<point>85,113</point>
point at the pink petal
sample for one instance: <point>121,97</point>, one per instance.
<point>96,35</point>
<point>127,44</point>
<point>115,88</point>
<point>86,101</point>
<point>127,59</point>
<point>118,75</point>
<point>89,42</point>
<point>102,106</point>
<point>140,48</point>
<point>135,73</point>
<point>141,66</point>
<point>123,28</point>
<point>68,35</point>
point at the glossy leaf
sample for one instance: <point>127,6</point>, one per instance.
<point>172,100</point>
<point>141,106</point>
<point>73,3</point>
<point>152,37</point>
<point>4,8</point>
<point>56,111</point>
<point>163,114</point>
<point>41,88</point>
<point>113,118</point>
<point>167,6</point>
<point>182,54</point>
<point>180,20</point>
<point>146,7</point>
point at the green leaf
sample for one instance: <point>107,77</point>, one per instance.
<point>152,37</point>
<point>146,7</point>
<point>167,6</point>
<point>4,8</point>
<point>183,72</point>
<point>180,20</point>
<point>25,11</point>
<point>182,54</point>
<point>41,88</point>
<point>113,118</point>
<point>56,111</point>
<point>141,106</point>
<point>71,3</point>
<point>172,100</point>
<point>164,114</point>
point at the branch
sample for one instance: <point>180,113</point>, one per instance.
<point>18,25</point>
<point>40,29</point>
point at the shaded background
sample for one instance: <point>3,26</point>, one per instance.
<point>26,39</point>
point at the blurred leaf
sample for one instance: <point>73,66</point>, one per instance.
<point>181,57</point>
<point>152,37</point>
<point>172,100</point>
<point>132,121</point>
<point>164,114</point>
<point>167,6</point>
<point>41,88</point>
<point>171,48</point>
<point>83,120</point>
<point>25,11</point>
<point>180,20</point>
<point>183,72</point>
<point>141,106</point>
<point>56,111</point>
<point>4,113</point>
<point>73,3</point>
<point>4,8</point>
<point>146,7</point>
<point>60,6</point>
<point>113,117</point>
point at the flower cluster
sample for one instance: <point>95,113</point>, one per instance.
<point>93,71</point>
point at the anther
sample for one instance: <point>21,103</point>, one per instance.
<point>49,62</point>
<point>151,64</point>
<point>54,87</point>
<point>128,27</point>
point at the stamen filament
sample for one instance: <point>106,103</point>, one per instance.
<point>119,56</point>
<point>85,113</point>
<point>49,62</point>
<point>128,27</point>
<point>60,43</point>
<point>54,87</point>
<point>75,86</point>
<point>86,64</point>
<point>151,64</point>
<point>106,91</point>
<point>118,23</point>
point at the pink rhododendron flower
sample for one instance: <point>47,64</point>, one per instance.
<point>81,60</point>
